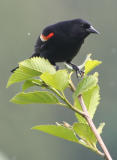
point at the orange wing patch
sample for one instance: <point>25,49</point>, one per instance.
<point>45,38</point>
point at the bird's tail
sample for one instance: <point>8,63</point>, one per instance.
<point>14,69</point>
<point>33,55</point>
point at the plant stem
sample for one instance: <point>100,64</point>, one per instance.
<point>72,86</point>
<point>67,102</point>
<point>85,114</point>
<point>92,126</point>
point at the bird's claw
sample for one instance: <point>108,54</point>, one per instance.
<point>77,70</point>
<point>81,73</point>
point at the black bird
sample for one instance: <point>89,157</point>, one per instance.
<point>61,42</point>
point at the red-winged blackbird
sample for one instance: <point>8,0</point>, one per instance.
<point>61,42</point>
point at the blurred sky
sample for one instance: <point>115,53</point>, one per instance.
<point>20,24</point>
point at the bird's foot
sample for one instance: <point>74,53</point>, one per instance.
<point>77,70</point>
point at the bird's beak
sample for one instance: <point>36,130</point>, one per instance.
<point>92,30</point>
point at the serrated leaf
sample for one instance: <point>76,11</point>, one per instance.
<point>91,99</point>
<point>39,64</point>
<point>30,83</point>
<point>59,80</point>
<point>35,97</point>
<point>21,74</point>
<point>85,133</point>
<point>30,68</point>
<point>90,65</point>
<point>59,131</point>
<point>86,83</point>
<point>100,128</point>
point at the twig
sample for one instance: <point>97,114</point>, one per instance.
<point>72,86</point>
<point>91,124</point>
<point>67,102</point>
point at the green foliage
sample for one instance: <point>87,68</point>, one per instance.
<point>30,68</point>
<point>84,132</point>
<point>21,74</point>
<point>87,83</point>
<point>32,82</point>
<point>91,99</point>
<point>38,64</point>
<point>91,64</point>
<point>35,97</point>
<point>59,131</point>
<point>39,72</point>
<point>59,80</point>
<point>100,128</point>
<point>27,84</point>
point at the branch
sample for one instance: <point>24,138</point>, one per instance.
<point>67,102</point>
<point>92,126</point>
<point>72,87</point>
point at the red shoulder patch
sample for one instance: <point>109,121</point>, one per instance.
<point>45,38</point>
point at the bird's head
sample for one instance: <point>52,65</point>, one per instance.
<point>81,28</point>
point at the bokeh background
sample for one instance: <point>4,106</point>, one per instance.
<point>20,24</point>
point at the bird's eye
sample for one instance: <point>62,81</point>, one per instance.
<point>85,25</point>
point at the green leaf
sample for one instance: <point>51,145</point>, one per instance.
<point>85,133</point>
<point>35,97</point>
<point>100,128</point>
<point>27,84</point>
<point>88,57</point>
<point>30,83</point>
<point>59,131</point>
<point>91,99</point>
<point>59,80</point>
<point>30,68</point>
<point>87,83</point>
<point>22,74</point>
<point>90,65</point>
<point>39,64</point>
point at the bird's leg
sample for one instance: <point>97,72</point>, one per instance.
<point>57,67</point>
<point>77,70</point>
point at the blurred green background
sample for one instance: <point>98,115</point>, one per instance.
<point>20,24</point>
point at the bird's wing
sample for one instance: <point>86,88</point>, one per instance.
<point>41,43</point>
